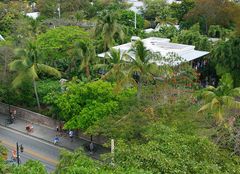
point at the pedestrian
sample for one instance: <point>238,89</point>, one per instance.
<point>14,112</point>
<point>91,147</point>
<point>12,118</point>
<point>57,128</point>
<point>14,155</point>
<point>71,135</point>
<point>56,140</point>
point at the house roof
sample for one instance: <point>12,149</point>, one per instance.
<point>165,48</point>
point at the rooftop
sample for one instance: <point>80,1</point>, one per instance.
<point>33,15</point>
<point>165,48</point>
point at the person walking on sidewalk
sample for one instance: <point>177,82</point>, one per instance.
<point>56,140</point>
<point>71,135</point>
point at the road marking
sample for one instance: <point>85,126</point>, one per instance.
<point>44,158</point>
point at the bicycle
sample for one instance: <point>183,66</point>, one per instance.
<point>14,159</point>
<point>8,122</point>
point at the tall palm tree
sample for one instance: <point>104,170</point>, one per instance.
<point>107,27</point>
<point>113,61</point>
<point>142,64</point>
<point>116,67</point>
<point>86,53</point>
<point>28,68</point>
<point>221,99</point>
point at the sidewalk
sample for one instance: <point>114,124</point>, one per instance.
<point>47,134</point>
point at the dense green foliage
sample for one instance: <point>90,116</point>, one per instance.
<point>149,110</point>
<point>226,58</point>
<point>56,45</point>
<point>193,37</point>
<point>221,100</point>
<point>77,162</point>
<point>84,104</point>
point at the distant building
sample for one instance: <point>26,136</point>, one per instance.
<point>137,5</point>
<point>33,15</point>
<point>165,48</point>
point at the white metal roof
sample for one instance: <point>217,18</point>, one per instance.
<point>164,47</point>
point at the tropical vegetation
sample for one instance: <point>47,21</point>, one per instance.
<point>164,118</point>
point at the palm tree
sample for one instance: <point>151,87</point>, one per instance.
<point>107,27</point>
<point>116,67</point>
<point>27,68</point>
<point>112,62</point>
<point>221,99</point>
<point>86,53</point>
<point>142,64</point>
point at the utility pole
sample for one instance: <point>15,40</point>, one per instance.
<point>135,20</point>
<point>21,149</point>
<point>112,151</point>
<point>18,160</point>
<point>59,10</point>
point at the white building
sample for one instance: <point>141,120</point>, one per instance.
<point>138,4</point>
<point>33,15</point>
<point>165,48</point>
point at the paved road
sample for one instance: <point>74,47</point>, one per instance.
<point>33,148</point>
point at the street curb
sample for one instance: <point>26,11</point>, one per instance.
<point>81,138</point>
<point>30,135</point>
<point>50,142</point>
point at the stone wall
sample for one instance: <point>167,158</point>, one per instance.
<point>37,118</point>
<point>29,115</point>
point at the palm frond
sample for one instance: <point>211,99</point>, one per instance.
<point>235,92</point>
<point>19,80</point>
<point>17,65</point>
<point>214,102</point>
<point>48,70</point>
<point>204,107</point>
<point>230,102</point>
<point>208,95</point>
<point>210,88</point>
<point>219,116</point>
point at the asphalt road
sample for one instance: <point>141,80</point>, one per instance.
<point>34,149</point>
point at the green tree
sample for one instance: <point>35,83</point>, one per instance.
<point>108,28</point>
<point>179,10</point>
<point>217,31</point>
<point>126,17</point>
<point>6,55</point>
<point>47,8</point>
<point>77,162</point>
<point>142,65</point>
<point>28,68</point>
<point>30,167</point>
<point>57,46</point>
<point>167,151</point>
<point>86,54</point>
<point>156,8</point>
<point>82,105</point>
<point>193,37</point>
<point>221,99</point>
<point>226,58</point>
<point>220,13</point>
<point>115,67</point>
